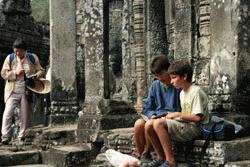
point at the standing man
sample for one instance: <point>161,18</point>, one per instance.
<point>16,67</point>
<point>162,99</point>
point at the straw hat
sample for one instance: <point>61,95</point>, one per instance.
<point>42,86</point>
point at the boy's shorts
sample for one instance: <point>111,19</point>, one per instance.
<point>182,131</point>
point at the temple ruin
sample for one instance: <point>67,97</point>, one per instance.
<point>99,52</point>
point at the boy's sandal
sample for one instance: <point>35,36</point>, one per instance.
<point>166,164</point>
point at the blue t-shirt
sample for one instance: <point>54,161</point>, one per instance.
<point>162,99</point>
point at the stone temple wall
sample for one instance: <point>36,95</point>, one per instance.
<point>213,36</point>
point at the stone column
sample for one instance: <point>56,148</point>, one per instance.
<point>201,71</point>
<point>128,60</point>
<point>64,108</point>
<point>170,27</point>
<point>100,113</point>
<point>184,37</point>
<point>138,8</point>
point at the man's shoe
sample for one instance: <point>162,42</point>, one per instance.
<point>5,141</point>
<point>166,164</point>
<point>154,163</point>
<point>145,159</point>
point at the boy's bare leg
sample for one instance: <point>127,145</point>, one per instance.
<point>154,140</point>
<point>148,145</point>
<point>140,140</point>
<point>160,128</point>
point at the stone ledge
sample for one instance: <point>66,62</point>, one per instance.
<point>238,164</point>
<point>46,137</point>
<point>218,152</point>
<point>72,155</point>
<point>19,158</point>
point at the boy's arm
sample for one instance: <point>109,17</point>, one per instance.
<point>150,105</point>
<point>185,116</point>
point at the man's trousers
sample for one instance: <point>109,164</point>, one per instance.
<point>16,100</point>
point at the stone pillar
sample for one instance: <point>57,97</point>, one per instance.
<point>138,8</point>
<point>64,108</point>
<point>202,66</point>
<point>100,113</point>
<point>128,70</point>
<point>184,22</point>
<point>170,27</point>
<point>89,122</point>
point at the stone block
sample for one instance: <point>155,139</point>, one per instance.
<point>77,155</point>
<point>9,158</point>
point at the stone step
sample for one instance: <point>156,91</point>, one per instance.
<point>77,155</point>
<point>48,136</point>
<point>102,161</point>
<point>12,157</point>
<point>218,152</point>
<point>238,164</point>
<point>32,165</point>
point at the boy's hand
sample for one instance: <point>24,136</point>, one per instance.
<point>19,71</point>
<point>153,117</point>
<point>172,115</point>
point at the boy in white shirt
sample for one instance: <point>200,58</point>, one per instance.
<point>180,126</point>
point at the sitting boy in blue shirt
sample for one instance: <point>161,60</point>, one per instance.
<point>162,98</point>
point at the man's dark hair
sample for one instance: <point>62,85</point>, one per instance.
<point>181,67</point>
<point>159,64</point>
<point>20,44</point>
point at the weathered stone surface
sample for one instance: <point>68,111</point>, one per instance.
<point>228,54</point>
<point>201,72</point>
<point>63,62</point>
<point>113,114</point>
<point>182,45</point>
<point>93,29</point>
<point>20,7</point>
<point>238,164</point>
<point>128,60</point>
<point>155,30</point>
<point>30,165</point>
<point>45,137</point>
<point>218,152</point>
<point>77,155</point>
<point>19,158</point>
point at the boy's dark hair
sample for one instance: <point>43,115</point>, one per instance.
<point>20,44</point>
<point>181,67</point>
<point>159,64</point>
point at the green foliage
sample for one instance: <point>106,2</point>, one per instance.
<point>40,10</point>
